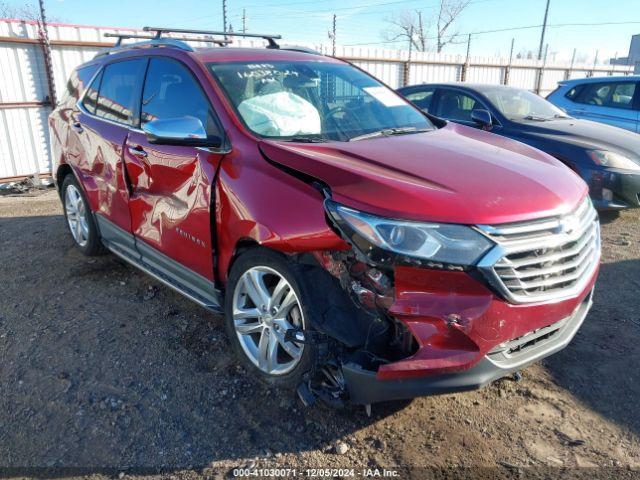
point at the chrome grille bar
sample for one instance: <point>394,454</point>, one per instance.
<point>544,259</point>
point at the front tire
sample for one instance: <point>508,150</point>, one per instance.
<point>263,301</point>
<point>80,220</point>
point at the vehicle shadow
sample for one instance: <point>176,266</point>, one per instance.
<point>600,366</point>
<point>104,368</point>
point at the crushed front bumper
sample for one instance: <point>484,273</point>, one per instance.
<point>366,387</point>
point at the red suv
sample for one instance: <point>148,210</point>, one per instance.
<point>359,250</point>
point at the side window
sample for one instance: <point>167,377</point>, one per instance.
<point>610,94</point>
<point>171,91</point>
<point>77,83</point>
<point>90,99</point>
<point>455,106</point>
<point>573,93</point>
<point>119,90</point>
<point>422,99</point>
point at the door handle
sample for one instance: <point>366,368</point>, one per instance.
<point>77,126</point>
<point>137,152</point>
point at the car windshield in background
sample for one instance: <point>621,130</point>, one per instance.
<point>522,104</point>
<point>315,101</point>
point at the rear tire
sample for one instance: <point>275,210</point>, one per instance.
<point>263,299</point>
<point>80,219</point>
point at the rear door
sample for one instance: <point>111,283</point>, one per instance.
<point>609,102</point>
<point>171,185</point>
<point>101,124</point>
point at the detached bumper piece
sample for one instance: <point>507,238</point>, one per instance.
<point>365,388</point>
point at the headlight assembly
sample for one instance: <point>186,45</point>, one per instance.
<point>613,160</point>
<point>383,239</point>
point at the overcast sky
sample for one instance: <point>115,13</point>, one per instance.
<point>361,22</point>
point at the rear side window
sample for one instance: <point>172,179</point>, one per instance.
<point>77,83</point>
<point>609,94</point>
<point>119,90</point>
<point>171,91</point>
<point>90,99</point>
<point>573,92</point>
<point>422,99</point>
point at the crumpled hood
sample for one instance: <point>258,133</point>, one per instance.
<point>583,133</point>
<point>455,174</point>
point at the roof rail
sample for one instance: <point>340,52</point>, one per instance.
<point>271,39</point>
<point>297,48</point>
<point>154,41</point>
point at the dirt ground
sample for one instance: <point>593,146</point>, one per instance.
<point>105,372</point>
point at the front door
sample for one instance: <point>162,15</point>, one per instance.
<point>171,186</point>
<point>609,102</point>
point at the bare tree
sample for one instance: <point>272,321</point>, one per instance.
<point>27,11</point>
<point>408,26</point>
<point>7,11</point>
<point>448,12</point>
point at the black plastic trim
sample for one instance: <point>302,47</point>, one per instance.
<point>156,264</point>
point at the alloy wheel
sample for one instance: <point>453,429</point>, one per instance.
<point>76,215</point>
<point>265,306</point>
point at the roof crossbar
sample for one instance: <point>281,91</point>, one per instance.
<point>126,36</point>
<point>271,39</point>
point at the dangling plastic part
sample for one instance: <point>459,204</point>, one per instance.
<point>307,397</point>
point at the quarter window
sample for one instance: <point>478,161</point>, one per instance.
<point>171,91</point>
<point>119,90</point>
<point>90,99</point>
<point>609,94</point>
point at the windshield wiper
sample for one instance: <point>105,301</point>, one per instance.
<point>306,139</point>
<point>387,132</point>
<point>537,118</point>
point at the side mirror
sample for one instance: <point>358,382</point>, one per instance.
<point>482,118</point>
<point>185,131</point>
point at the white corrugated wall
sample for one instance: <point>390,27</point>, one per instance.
<point>24,147</point>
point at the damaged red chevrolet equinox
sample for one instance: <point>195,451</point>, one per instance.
<point>359,250</point>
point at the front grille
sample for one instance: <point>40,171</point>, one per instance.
<point>544,259</point>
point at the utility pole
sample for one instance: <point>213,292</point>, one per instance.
<point>465,67</point>
<point>224,17</point>
<point>421,32</point>
<point>333,37</point>
<point>407,69</point>
<point>544,29</point>
<point>570,71</point>
<point>244,20</point>
<point>595,63</point>
<point>507,70</point>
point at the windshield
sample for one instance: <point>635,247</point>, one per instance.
<point>315,101</point>
<point>522,105</point>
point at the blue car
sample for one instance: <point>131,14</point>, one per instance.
<point>611,100</point>
<point>607,158</point>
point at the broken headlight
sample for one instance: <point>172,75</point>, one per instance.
<point>409,241</point>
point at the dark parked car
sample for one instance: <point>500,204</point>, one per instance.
<point>359,251</point>
<point>606,157</point>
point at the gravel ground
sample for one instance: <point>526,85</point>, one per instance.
<point>103,370</point>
